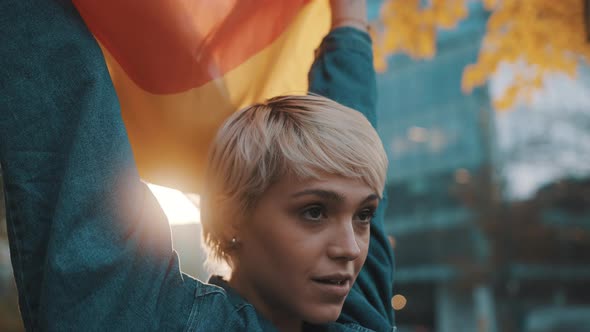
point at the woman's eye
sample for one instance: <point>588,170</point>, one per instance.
<point>366,215</point>
<point>315,213</point>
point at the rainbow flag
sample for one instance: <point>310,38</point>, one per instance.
<point>180,67</point>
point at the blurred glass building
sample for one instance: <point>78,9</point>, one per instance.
<point>470,258</point>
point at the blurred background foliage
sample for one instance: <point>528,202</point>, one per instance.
<point>540,36</point>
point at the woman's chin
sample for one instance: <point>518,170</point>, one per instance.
<point>323,314</point>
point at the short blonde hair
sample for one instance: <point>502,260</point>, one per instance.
<point>303,136</point>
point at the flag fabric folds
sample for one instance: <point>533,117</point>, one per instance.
<point>181,67</point>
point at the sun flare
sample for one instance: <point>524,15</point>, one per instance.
<point>180,208</point>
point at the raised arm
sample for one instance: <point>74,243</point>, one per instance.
<point>343,71</point>
<point>90,247</point>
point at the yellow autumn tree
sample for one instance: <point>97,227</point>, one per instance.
<point>407,26</point>
<point>537,36</point>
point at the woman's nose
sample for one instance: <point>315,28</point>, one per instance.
<point>344,245</point>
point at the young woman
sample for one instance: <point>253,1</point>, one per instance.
<point>293,203</point>
<point>292,187</point>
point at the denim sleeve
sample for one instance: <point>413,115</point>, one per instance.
<point>90,247</point>
<point>343,71</point>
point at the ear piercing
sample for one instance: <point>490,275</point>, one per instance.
<point>233,243</point>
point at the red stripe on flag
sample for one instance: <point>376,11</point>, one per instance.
<point>168,46</point>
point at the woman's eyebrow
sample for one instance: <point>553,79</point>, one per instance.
<point>372,197</point>
<point>331,195</point>
<point>326,194</point>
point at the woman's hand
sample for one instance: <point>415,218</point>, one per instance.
<point>349,13</point>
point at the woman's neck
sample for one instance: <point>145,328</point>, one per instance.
<point>269,309</point>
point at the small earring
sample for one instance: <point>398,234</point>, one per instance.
<point>233,243</point>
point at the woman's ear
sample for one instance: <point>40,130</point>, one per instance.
<point>231,244</point>
<point>231,234</point>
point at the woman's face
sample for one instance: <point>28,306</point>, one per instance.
<point>302,247</point>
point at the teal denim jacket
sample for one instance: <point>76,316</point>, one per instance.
<point>90,247</point>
